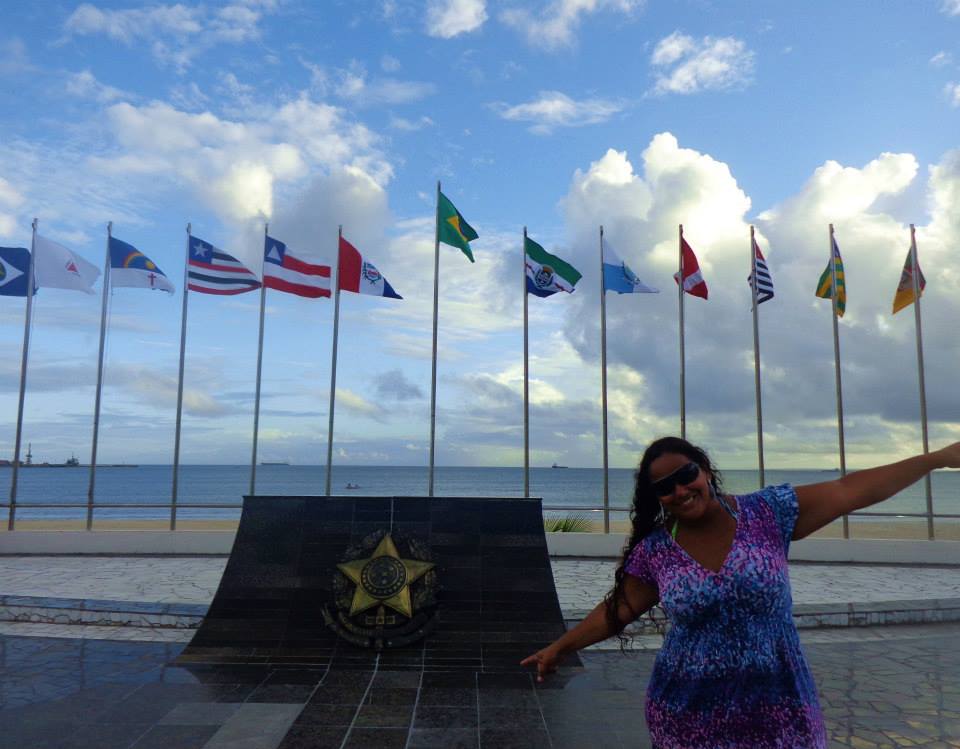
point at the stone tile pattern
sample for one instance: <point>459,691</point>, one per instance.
<point>895,691</point>
<point>497,598</point>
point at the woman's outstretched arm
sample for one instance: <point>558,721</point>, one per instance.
<point>640,598</point>
<point>821,504</point>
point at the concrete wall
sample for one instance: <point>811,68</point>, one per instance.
<point>193,543</point>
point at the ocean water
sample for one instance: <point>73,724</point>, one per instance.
<point>135,488</point>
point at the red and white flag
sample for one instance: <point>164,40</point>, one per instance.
<point>359,275</point>
<point>693,282</point>
<point>284,272</point>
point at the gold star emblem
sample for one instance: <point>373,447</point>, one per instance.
<point>385,578</point>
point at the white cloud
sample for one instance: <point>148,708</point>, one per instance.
<point>449,18</point>
<point>951,7</point>
<point>941,59</point>
<point>389,64</point>
<point>409,126</point>
<point>952,92</point>
<point>641,203</point>
<point>177,33</point>
<point>353,84</point>
<point>687,66</point>
<point>557,22</point>
<point>554,109</point>
<point>10,200</point>
<point>86,86</point>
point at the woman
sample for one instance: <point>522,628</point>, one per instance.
<point>731,672</point>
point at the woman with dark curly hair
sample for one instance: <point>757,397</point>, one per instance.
<point>731,672</point>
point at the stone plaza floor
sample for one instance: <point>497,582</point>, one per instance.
<point>92,686</point>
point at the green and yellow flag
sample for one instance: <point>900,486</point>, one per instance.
<point>453,228</point>
<point>825,284</point>
<point>905,296</point>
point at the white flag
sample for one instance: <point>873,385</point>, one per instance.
<point>57,267</point>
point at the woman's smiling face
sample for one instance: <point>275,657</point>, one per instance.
<point>685,501</point>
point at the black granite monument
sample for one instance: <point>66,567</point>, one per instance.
<point>377,610</point>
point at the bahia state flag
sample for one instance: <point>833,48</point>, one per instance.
<point>619,278</point>
<point>452,227</point>
<point>14,270</point>
<point>130,267</point>
<point>359,275</point>
<point>285,272</point>
<point>212,271</point>
<point>547,274</point>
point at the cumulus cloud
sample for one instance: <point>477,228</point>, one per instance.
<point>449,18</point>
<point>555,25</point>
<point>235,166</point>
<point>553,109</point>
<point>641,203</point>
<point>951,7</point>
<point>176,33</point>
<point>687,66</point>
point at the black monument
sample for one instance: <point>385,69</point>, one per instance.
<point>384,610</point>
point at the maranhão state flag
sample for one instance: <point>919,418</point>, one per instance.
<point>210,270</point>
<point>693,282</point>
<point>285,272</point>
<point>359,275</point>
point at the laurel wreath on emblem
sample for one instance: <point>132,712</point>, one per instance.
<point>370,272</point>
<point>384,592</point>
<point>544,276</point>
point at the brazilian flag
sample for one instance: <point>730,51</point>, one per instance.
<point>452,228</point>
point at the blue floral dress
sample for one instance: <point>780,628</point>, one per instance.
<point>731,673</point>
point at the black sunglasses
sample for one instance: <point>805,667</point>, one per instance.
<point>685,474</point>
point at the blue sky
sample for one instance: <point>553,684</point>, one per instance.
<point>559,115</point>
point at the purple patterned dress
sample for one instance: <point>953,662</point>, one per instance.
<point>731,674</point>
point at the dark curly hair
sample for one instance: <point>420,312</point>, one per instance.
<point>647,514</point>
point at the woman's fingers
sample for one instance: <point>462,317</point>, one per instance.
<point>545,664</point>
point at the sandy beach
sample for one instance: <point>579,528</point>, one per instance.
<point>946,530</point>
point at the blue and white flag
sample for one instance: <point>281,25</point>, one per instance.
<point>764,281</point>
<point>619,278</point>
<point>130,267</point>
<point>14,267</point>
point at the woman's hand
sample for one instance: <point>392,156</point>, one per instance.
<point>949,456</point>
<point>545,660</point>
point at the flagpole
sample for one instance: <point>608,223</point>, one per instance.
<point>11,519</point>
<point>183,345</point>
<point>836,363</point>
<point>526,377</point>
<point>433,365</point>
<point>96,407</point>
<point>683,364</point>
<point>756,354</point>
<point>333,373</point>
<point>923,391</point>
<point>603,388</point>
<point>256,397</point>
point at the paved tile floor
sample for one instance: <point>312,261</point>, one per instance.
<point>580,582</point>
<point>898,687</point>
